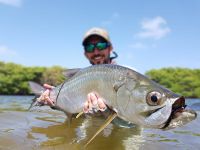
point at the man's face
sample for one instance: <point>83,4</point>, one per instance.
<point>98,56</point>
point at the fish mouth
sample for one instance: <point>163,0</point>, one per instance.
<point>179,114</point>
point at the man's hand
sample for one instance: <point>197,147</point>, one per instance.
<point>94,103</point>
<point>44,97</point>
<point>47,86</point>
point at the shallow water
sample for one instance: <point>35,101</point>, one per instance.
<point>46,129</point>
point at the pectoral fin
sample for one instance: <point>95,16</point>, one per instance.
<point>107,122</point>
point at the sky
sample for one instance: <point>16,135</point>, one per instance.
<point>146,34</point>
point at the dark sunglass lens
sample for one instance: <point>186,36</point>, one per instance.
<point>89,48</point>
<point>101,46</point>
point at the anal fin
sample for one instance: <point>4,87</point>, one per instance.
<point>112,116</point>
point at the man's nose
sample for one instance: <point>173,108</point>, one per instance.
<point>96,51</point>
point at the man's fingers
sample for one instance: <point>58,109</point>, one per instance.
<point>47,86</point>
<point>93,99</point>
<point>94,103</point>
<point>50,102</point>
<point>101,104</point>
<point>45,99</point>
<point>86,107</point>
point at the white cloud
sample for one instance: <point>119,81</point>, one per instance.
<point>113,17</point>
<point>4,50</point>
<point>138,45</point>
<point>154,28</point>
<point>16,3</point>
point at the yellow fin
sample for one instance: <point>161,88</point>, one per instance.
<point>107,122</point>
<point>79,114</point>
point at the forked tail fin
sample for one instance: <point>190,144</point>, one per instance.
<point>37,90</point>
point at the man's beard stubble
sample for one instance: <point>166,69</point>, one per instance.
<point>106,61</point>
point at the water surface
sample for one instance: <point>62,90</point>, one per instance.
<point>47,129</point>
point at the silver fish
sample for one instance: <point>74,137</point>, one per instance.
<point>130,95</point>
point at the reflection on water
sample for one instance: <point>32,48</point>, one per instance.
<point>47,129</point>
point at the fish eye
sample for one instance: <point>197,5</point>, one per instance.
<point>153,98</point>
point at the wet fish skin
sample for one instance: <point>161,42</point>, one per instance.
<point>125,91</point>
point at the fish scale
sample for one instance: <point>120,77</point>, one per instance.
<point>130,96</point>
<point>99,79</point>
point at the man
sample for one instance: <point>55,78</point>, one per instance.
<point>97,49</point>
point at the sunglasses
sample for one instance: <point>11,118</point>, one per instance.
<point>89,48</point>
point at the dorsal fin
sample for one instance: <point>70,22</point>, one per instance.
<point>70,72</point>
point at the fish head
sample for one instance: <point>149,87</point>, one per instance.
<point>150,105</point>
<point>162,108</point>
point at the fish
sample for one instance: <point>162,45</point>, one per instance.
<point>130,95</point>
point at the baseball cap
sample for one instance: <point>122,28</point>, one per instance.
<point>96,31</point>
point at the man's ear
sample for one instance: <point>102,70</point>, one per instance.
<point>111,48</point>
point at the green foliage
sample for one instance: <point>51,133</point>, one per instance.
<point>53,76</point>
<point>14,78</point>
<point>180,80</point>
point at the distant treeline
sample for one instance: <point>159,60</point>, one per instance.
<point>14,78</point>
<point>183,81</point>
